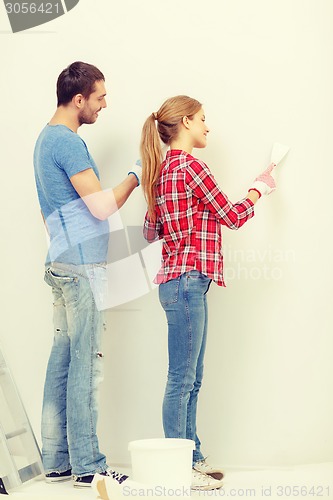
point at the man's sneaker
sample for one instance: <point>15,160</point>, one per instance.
<point>85,481</point>
<point>57,477</point>
<point>201,481</point>
<point>202,466</point>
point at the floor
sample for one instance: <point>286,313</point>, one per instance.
<point>307,481</point>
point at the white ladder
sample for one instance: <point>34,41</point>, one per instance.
<point>20,458</point>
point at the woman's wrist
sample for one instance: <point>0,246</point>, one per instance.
<point>253,195</point>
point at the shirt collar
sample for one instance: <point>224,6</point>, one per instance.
<point>176,152</point>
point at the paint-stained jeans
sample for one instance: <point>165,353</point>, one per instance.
<point>69,416</point>
<point>185,303</point>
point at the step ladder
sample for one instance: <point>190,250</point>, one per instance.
<point>20,458</point>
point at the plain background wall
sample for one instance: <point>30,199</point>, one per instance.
<point>263,69</point>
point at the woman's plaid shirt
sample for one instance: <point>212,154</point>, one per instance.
<point>190,210</point>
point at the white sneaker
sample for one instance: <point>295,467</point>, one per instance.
<point>202,466</point>
<point>201,481</point>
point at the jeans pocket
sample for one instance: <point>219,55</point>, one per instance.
<point>60,276</point>
<point>48,279</point>
<point>60,281</point>
<point>197,280</point>
<point>168,292</point>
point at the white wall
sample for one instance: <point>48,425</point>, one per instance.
<point>263,70</point>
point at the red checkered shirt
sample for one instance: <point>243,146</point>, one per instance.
<point>190,212</point>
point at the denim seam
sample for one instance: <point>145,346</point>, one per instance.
<point>188,357</point>
<point>91,387</point>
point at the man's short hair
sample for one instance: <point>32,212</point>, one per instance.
<point>77,78</point>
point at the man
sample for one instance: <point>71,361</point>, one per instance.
<point>75,210</point>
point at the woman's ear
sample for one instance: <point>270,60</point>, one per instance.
<point>186,122</point>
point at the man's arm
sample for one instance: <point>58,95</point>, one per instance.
<point>101,203</point>
<point>45,224</point>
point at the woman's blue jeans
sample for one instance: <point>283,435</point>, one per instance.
<point>185,303</point>
<point>75,367</point>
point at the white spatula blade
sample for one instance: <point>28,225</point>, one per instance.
<point>279,151</point>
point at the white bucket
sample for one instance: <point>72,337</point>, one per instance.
<point>162,462</point>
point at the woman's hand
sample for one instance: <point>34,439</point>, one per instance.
<point>264,184</point>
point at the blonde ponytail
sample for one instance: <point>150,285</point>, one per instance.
<point>151,157</point>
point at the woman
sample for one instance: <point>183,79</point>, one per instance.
<point>187,209</point>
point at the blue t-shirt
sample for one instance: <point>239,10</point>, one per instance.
<point>76,236</point>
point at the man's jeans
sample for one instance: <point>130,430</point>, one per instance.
<point>185,303</point>
<point>74,371</point>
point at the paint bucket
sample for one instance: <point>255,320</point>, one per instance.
<point>165,462</point>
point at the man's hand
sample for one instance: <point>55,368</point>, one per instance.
<point>137,171</point>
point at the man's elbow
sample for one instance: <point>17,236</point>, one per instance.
<point>99,213</point>
<point>101,205</point>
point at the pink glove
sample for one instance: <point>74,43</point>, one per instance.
<point>264,183</point>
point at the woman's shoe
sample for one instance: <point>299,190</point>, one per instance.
<point>201,481</point>
<point>202,466</point>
